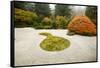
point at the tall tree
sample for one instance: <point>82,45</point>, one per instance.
<point>30,7</point>
<point>91,12</point>
<point>20,5</point>
<point>42,9</point>
<point>62,10</point>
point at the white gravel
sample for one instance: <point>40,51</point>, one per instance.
<point>28,51</point>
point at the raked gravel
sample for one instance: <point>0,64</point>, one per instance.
<point>28,51</point>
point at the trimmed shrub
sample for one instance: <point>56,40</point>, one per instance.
<point>24,18</point>
<point>61,22</point>
<point>82,25</point>
<point>46,23</point>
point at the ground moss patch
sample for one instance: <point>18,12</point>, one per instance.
<point>54,43</point>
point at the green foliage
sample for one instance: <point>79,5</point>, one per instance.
<point>40,16</point>
<point>61,22</point>
<point>30,7</point>
<point>24,18</point>
<point>46,22</point>
<point>20,5</point>
<point>43,16</point>
<point>24,5</point>
<point>91,12</point>
<point>42,9</point>
<point>62,10</point>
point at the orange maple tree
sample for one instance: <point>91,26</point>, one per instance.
<point>82,25</point>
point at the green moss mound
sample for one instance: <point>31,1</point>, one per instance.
<point>54,43</point>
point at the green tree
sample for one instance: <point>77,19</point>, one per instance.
<point>24,5</point>
<point>62,10</point>
<point>42,9</point>
<point>20,5</point>
<point>61,22</point>
<point>91,12</point>
<point>30,7</point>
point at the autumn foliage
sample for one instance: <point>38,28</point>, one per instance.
<point>82,25</point>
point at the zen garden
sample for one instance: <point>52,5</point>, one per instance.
<point>46,30</point>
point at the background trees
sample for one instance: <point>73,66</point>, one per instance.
<point>46,16</point>
<point>63,15</point>
<point>42,9</point>
<point>30,7</point>
<point>62,10</point>
<point>20,5</point>
<point>91,12</point>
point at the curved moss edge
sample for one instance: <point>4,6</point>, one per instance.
<point>54,43</point>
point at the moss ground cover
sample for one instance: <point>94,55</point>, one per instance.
<point>54,43</point>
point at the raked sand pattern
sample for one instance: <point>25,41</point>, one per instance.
<point>28,51</point>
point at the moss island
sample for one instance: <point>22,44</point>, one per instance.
<point>54,43</point>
